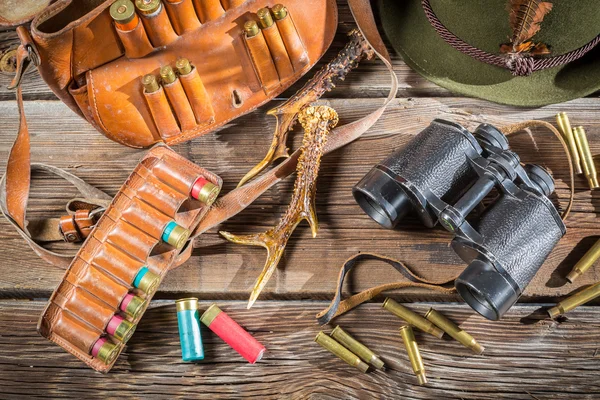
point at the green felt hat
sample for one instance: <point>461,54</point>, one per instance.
<point>485,25</point>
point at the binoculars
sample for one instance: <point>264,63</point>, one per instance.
<point>442,175</point>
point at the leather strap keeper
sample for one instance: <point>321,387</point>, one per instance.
<point>73,323</point>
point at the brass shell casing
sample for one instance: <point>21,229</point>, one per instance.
<point>264,17</point>
<point>183,66</point>
<point>454,331</point>
<point>108,352</point>
<point>209,193</point>
<point>210,314</point>
<point>149,282</point>
<point>135,306</point>
<point>279,11</point>
<point>414,356</point>
<point>178,237</point>
<point>356,347</point>
<point>148,6</point>
<point>122,11</point>
<point>565,127</point>
<point>412,318</point>
<point>589,169</point>
<point>124,331</point>
<point>586,295</point>
<point>585,262</point>
<point>189,303</point>
<point>150,83</point>
<point>251,28</point>
<point>341,352</point>
<point>167,74</point>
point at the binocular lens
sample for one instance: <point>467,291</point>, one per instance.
<point>382,198</point>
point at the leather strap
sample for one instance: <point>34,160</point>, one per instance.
<point>14,190</point>
<point>339,306</point>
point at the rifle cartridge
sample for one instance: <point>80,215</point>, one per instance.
<point>341,352</point>
<point>454,331</point>
<point>264,18</point>
<point>588,259</point>
<point>589,169</point>
<point>579,298</point>
<point>408,337</point>
<point>150,83</point>
<point>412,318</point>
<point>356,347</point>
<point>565,127</point>
<point>251,28</point>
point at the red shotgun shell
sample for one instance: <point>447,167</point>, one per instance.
<point>204,191</point>
<point>233,334</point>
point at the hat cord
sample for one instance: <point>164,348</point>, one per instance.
<point>518,64</point>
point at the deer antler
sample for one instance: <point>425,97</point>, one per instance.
<point>325,80</point>
<point>317,121</point>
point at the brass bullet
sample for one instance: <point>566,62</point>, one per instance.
<point>589,169</point>
<point>586,295</point>
<point>264,17</point>
<point>150,83</point>
<point>412,318</point>
<point>251,28</point>
<point>341,352</point>
<point>183,66</point>
<point>279,11</point>
<point>454,331</point>
<point>408,337</point>
<point>147,6</point>
<point>565,127</point>
<point>167,74</point>
<point>357,348</point>
<point>588,259</point>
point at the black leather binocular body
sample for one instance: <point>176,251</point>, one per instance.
<point>442,175</point>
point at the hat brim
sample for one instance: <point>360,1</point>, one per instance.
<point>421,48</point>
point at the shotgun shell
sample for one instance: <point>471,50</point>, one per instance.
<point>565,127</point>
<point>412,318</point>
<point>148,7</point>
<point>183,66</point>
<point>150,83</point>
<point>132,305</point>
<point>579,298</point>
<point>120,328</point>
<point>167,74</point>
<point>123,13</point>
<point>175,235</point>
<point>264,17</point>
<point>279,11</point>
<point>145,280</point>
<point>589,169</point>
<point>341,352</point>
<point>356,347</point>
<point>251,28</point>
<point>204,191</point>
<point>104,350</point>
<point>190,335</point>
<point>408,337</point>
<point>588,259</point>
<point>454,331</point>
<point>233,334</point>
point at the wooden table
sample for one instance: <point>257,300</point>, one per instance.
<point>527,355</point>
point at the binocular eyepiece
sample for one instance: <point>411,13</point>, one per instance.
<point>441,176</point>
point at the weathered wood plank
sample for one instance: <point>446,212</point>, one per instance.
<point>369,80</point>
<point>526,357</point>
<point>310,266</point>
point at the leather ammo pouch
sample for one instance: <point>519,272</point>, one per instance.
<point>96,67</point>
<point>99,283</point>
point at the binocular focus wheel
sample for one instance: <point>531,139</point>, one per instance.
<point>491,135</point>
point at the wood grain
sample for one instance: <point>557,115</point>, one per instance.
<point>310,266</point>
<point>526,357</point>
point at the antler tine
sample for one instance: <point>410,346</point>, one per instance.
<point>323,81</point>
<point>317,122</point>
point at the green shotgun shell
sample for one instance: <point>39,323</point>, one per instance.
<point>167,74</point>
<point>264,17</point>
<point>579,298</point>
<point>279,11</point>
<point>357,347</point>
<point>588,259</point>
<point>132,305</point>
<point>146,281</point>
<point>453,330</point>
<point>412,318</point>
<point>341,352</point>
<point>175,235</point>
<point>408,337</point>
<point>251,28</point>
<point>150,83</point>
